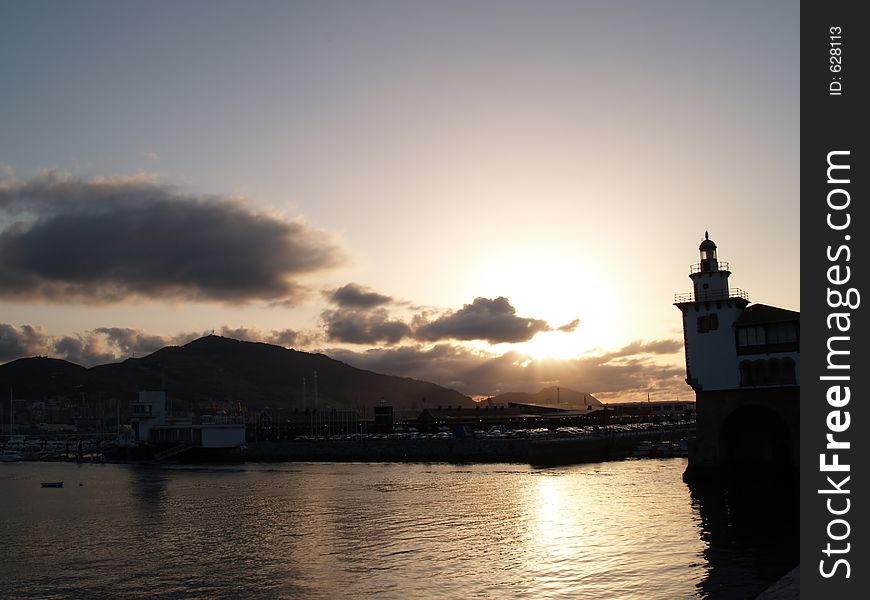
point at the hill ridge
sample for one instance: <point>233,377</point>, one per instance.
<point>215,370</point>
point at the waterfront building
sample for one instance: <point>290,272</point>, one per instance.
<point>479,417</point>
<point>743,363</point>
<point>277,424</point>
<point>151,425</point>
<point>649,411</point>
<point>514,415</point>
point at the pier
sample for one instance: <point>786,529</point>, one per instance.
<point>549,450</point>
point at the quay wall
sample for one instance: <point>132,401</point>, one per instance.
<point>459,450</point>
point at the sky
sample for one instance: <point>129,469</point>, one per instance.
<point>492,195</point>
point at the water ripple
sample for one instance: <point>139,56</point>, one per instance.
<point>613,530</point>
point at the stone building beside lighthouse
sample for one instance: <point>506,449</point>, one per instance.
<point>743,362</point>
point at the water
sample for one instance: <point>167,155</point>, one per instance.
<point>629,529</point>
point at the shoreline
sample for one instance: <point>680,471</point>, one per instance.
<point>550,451</point>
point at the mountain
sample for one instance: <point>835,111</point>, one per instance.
<point>40,377</point>
<point>551,396</point>
<point>214,371</point>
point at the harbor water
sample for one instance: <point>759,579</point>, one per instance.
<point>623,529</point>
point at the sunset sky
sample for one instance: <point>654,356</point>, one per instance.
<point>492,195</point>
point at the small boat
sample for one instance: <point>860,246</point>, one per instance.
<point>52,484</point>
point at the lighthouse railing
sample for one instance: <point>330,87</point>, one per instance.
<point>708,295</point>
<point>721,266</point>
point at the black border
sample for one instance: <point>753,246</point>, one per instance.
<point>828,123</point>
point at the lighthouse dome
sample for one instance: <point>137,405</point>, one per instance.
<point>707,244</point>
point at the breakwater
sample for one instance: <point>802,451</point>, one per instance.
<point>548,451</point>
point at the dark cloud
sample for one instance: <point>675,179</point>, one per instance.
<point>26,340</point>
<point>362,319</point>
<point>569,327</point>
<point>494,321</point>
<point>107,240</point>
<point>85,349</point>
<point>413,361</point>
<point>363,326</point>
<point>111,344</point>
<point>354,295</point>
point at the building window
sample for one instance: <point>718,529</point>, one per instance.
<point>772,371</point>
<point>708,323</point>
<point>751,336</point>
<point>781,333</point>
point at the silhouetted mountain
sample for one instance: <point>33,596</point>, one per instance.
<point>550,396</point>
<point>223,372</point>
<point>39,377</point>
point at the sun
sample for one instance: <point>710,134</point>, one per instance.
<point>553,287</point>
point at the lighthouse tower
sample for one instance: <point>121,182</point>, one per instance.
<point>744,364</point>
<point>709,315</point>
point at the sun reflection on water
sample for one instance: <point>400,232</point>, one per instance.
<point>558,519</point>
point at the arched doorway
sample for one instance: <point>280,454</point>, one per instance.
<point>755,437</point>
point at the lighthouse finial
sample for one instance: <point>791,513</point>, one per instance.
<point>706,235</point>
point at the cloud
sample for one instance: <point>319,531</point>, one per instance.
<point>26,340</point>
<point>111,344</point>
<point>362,318</point>
<point>494,321</point>
<point>127,342</point>
<point>150,156</point>
<point>654,347</point>
<point>278,337</point>
<point>354,295</point>
<point>569,327</point>
<point>363,326</point>
<point>111,239</point>
<point>625,373</point>
<point>85,349</point>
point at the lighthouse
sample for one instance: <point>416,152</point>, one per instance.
<point>709,314</point>
<point>743,362</point>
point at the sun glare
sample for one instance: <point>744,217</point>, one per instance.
<point>553,288</point>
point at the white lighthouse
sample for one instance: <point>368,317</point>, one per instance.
<point>709,315</point>
<point>743,363</point>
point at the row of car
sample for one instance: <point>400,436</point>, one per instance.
<point>494,432</point>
